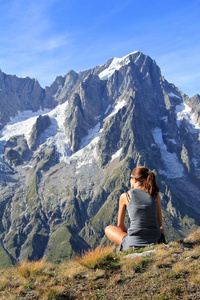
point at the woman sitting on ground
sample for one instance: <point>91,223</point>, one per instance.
<point>144,210</point>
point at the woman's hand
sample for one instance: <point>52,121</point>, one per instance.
<point>163,230</point>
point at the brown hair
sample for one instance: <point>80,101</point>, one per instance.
<point>147,179</point>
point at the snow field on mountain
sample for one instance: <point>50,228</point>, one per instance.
<point>55,133</point>
<point>173,168</point>
<point>116,154</point>
<point>183,111</point>
<point>174,95</point>
<point>87,153</point>
<point>19,125</point>
<point>117,107</point>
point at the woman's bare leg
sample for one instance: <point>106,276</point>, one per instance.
<point>115,234</point>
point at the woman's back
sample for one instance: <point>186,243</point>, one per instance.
<point>142,210</point>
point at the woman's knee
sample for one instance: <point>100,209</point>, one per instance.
<point>107,230</point>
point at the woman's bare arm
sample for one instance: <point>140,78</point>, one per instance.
<point>159,215</point>
<point>122,212</point>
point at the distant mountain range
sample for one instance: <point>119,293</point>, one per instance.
<point>66,153</point>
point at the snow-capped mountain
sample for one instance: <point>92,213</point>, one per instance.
<point>66,154</point>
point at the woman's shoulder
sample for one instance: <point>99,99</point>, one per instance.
<point>124,198</point>
<point>127,196</point>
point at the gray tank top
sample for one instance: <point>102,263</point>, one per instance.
<point>142,210</point>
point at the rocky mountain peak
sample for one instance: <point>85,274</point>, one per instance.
<point>67,152</point>
<point>18,94</point>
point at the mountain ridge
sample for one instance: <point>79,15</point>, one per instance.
<point>69,161</point>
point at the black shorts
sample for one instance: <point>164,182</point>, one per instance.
<point>161,239</point>
<point>127,242</point>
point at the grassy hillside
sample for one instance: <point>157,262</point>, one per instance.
<point>159,272</point>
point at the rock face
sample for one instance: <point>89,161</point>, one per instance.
<point>18,94</point>
<point>63,169</point>
<point>42,123</point>
<point>16,150</point>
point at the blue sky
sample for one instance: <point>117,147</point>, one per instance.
<point>46,38</point>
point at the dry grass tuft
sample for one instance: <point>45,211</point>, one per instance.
<point>136,264</point>
<point>4,282</point>
<point>70,269</point>
<point>193,237</point>
<point>99,258</point>
<point>29,269</point>
<point>9,297</point>
<point>162,253</point>
<point>163,263</point>
<point>196,252</point>
<point>54,292</point>
<point>180,267</point>
<point>194,266</point>
<point>195,279</point>
<point>115,279</point>
<point>126,265</point>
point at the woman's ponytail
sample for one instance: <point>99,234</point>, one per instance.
<point>151,185</point>
<point>147,179</point>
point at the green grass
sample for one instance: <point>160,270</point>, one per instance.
<point>61,246</point>
<point>5,260</point>
<point>32,194</point>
